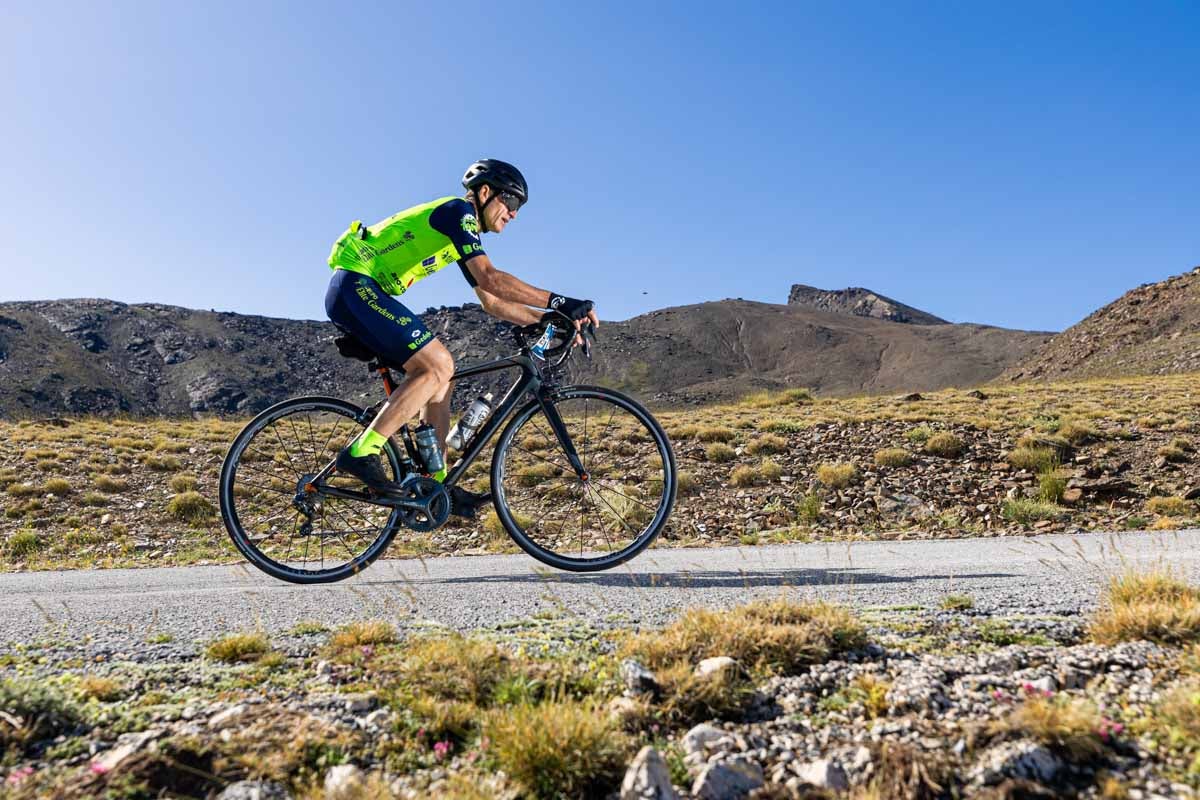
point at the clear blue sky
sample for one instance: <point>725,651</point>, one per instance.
<point>1018,164</point>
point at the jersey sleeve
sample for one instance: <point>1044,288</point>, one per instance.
<point>455,219</point>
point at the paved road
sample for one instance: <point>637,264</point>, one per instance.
<point>114,611</point>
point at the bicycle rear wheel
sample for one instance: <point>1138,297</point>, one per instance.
<point>269,462</point>
<point>584,525</point>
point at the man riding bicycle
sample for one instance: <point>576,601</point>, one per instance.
<point>374,265</point>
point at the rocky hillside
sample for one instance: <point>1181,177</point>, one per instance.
<point>100,356</point>
<point>1151,330</point>
<point>859,302</point>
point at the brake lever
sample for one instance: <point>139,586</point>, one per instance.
<point>584,331</point>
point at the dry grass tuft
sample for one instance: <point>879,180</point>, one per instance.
<point>767,444</point>
<point>764,473</point>
<point>774,636</point>
<point>719,453</point>
<point>893,457</point>
<point>358,634</point>
<point>1077,432</point>
<point>56,486</point>
<point>1173,454</point>
<point>239,647</point>
<point>100,687</point>
<point>945,444</point>
<point>110,485</point>
<point>1170,506</point>
<point>837,476</point>
<point>1156,606</point>
<point>711,433</point>
<point>1034,459</point>
<point>1026,511</point>
<point>1070,726</point>
<point>559,749</point>
<point>957,602</point>
<point>183,483</point>
<point>190,507</point>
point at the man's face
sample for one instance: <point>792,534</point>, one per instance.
<point>497,213</point>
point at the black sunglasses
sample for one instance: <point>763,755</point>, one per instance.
<point>510,200</point>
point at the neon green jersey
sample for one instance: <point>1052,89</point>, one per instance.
<point>410,245</point>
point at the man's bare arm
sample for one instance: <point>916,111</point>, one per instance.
<point>503,286</point>
<point>515,313</point>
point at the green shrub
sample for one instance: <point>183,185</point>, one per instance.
<point>24,543</point>
<point>957,602</point>
<point>1052,484</point>
<point>21,490</point>
<point>809,507</point>
<point>919,435</point>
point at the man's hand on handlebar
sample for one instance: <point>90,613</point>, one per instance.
<point>581,311</point>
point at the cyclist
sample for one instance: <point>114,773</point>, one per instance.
<point>374,265</point>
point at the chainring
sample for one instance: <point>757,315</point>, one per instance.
<point>420,488</point>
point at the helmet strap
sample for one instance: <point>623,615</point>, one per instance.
<point>479,209</point>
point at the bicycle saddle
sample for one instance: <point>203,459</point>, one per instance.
<point>352,347</point>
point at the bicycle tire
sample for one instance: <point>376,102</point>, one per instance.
<point>642,541</point>
<point>229,514</point>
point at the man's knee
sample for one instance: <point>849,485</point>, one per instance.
<point>433,360</point>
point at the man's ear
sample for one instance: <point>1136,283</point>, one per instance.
<point>482,193</point>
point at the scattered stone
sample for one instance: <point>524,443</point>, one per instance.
<point>638,679</point>
<point>704,734</point>
<point>344,782</point>
<point>255,790</point>
<point>824,773</point>
<point>647,777</point>
<point>127,745</point>
<point>724,780</point>
<point>717,665</point>
<point>226,717</point>
<point>1026,760</point>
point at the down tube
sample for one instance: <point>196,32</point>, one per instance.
<point>498,418</point>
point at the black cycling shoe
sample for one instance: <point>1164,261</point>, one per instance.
<point>368,470</point>
<point>464,503</point>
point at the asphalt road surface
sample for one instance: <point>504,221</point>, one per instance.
<point>114,612</point>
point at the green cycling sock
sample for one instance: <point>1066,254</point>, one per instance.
<point>368,443</point>
<point>440,475</point>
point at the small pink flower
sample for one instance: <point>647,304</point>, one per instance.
<point>441,750</point>
<point>1028,688</point>
<point>20,774</point>
<point>98,768</point>
<point>484,742</point>
<point>998,694</point>
<point>368,650</point>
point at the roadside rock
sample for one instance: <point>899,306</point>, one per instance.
<point>255,790</point>
<point>647,777</point>
<point>1027,760</point>
<point>728,779</point>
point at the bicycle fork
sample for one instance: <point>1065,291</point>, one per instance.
<point>564,439</point>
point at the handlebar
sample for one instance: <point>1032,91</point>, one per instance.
<point>526,335</point>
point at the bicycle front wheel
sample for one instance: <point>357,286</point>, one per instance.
<point>593,524</point>
<point>267,466</point>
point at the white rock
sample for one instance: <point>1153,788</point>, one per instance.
<point>359,703</point>
<point>127,745</point>
<point>255,790</point>
<point>638,679</point>
<point>717,665</point>
<point>647,778</point>
<point>344,782</point>
<point>1027,760</point>
<point>823,773</point>
<point>727,779</point>
<point>695,739</point>
<point>226,717</point>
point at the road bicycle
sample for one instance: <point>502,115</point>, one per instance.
<point>582,477</point>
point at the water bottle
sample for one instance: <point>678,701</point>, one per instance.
<point>539,347</point>
<point>427,447</point>
<point>470,422</point>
